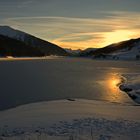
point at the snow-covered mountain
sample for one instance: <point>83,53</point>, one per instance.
<point>129,49</point>
<point>44,46</point>
<point>87,51</point>
<point>12,33</point>
<point>129,52</point>
<point>73,52</point>
<point>17,48</point>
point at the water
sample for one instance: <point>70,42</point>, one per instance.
<point>23,82</point>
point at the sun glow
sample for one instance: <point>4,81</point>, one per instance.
<point>117,36</point>
<point>111,88</point>
<point>81,33</point>
<point>106,38</point>
<point>114,83</point>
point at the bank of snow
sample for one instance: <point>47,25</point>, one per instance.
<point>66,119</point>
<point>132,86</point>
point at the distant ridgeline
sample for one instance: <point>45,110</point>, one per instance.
<point>16,43</point>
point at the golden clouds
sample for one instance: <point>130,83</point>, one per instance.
<point>81,33</point>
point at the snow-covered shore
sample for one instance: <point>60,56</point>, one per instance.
<point>71,120</point>
<point>10,58</point>
<point>131,85</point>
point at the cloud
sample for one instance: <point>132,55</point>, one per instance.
<point>25,3</point>
<point>81,32</point>
<point>16,3</point>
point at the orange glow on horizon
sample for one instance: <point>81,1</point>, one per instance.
<point>107,38</point>
<point>82,33</point>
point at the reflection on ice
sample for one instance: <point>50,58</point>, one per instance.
<point>111,87</point>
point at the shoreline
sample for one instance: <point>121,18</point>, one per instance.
<point>29,58</point>
<point>10,58</point>
<point>81,106</point>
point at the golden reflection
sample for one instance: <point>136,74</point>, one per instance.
<point>114,82</point>
<point>114,94</point>
<point>111,88</point>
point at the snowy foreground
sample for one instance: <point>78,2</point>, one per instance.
<point>71,120</point>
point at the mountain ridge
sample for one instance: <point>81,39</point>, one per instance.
<point>16,48</point>
<point>124,49</point>
<point>47,48</point>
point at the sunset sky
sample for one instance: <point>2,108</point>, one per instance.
<point>76,24</point>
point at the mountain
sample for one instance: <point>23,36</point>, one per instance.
<point>129,49</point>
<point>87,51</point>
<point>13,47</point>
<point>73,52</point>
<point>43,46</point>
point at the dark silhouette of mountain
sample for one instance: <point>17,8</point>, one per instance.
<point>43,46</point>
<point>13,47</point>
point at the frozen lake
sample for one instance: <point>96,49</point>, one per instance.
<point>27,81</point>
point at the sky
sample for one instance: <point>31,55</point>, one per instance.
<point>75,24</point>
